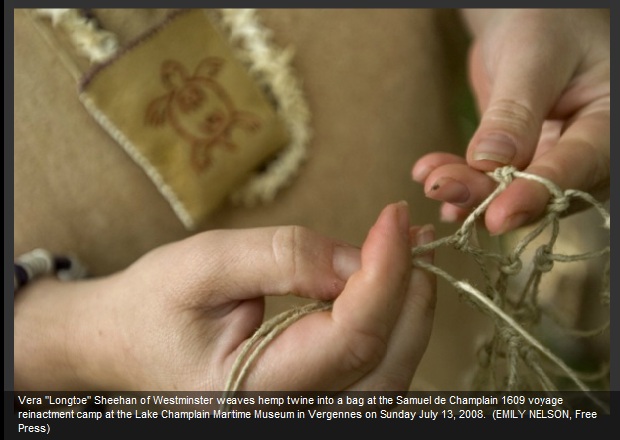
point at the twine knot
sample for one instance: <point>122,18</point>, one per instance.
<point>513,265</point>
<point>461,239</point>
<point>542,259</point>
<point>558,204</point>
<point>504,175</point>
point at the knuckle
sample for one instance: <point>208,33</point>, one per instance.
<point>512,116</point>
<point>363,352</point>
<point>287,248</point>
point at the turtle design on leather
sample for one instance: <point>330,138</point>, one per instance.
<point>199,109</point>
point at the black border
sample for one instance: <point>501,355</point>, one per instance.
<point>236,427</point>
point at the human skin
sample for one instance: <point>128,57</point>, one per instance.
<point>178,317</point>
<point>541,81</point>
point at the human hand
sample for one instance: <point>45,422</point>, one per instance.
<point>541,80</point>
<point>178,317</point>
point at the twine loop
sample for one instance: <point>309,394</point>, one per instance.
<point>543,260</point>
<point>558,204</point>
<point>512,266</point>
<point>504,175</point>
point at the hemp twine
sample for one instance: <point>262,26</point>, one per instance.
<point>511,340</point>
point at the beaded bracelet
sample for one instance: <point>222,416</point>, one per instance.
<point>40,262</point>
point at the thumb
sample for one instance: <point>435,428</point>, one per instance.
<point>244,264</point>
<point>523,83</point>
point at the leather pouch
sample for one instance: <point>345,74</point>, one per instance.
<point>187,111</point>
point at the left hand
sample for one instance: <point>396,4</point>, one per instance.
<point>541,80</point>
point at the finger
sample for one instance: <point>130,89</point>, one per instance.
<point>251,263</point>
<point>451,214</point>
<point>580,160</point>
<point>526,80</point>
<point>413,329</point>
<point>429,162</point>
<point>423,168</point>
<point>373,295</point>
<point>332,350</point>
<point>459,185</point>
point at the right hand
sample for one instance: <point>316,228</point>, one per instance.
<point>178,317</point>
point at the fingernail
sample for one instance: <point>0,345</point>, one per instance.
<point>497,148</point>
<point>449,190</point>
<point>402,212</point>
<point>346,261</point>
<point>413,235</point>
<point>426,234</point>
<point>513,222</point>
